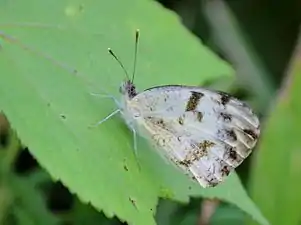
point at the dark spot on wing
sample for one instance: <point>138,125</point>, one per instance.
<point>227,134</point>
<point>160,121</point>
<point>232,134</point>
<point>232,154</point>
<point>186,162</point>
<point>181,120</point>
<point>213,182</point>
<point>199,116</point>
<point>197,152</point>
<point>224,97</point>
<point>226,117</point>
<point>193,101</point>
<point>225,171</point>
<point>251,133</point>
<point>193,178</point>
<point>205,145</point>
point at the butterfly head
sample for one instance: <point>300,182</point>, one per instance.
<point>128,89</point>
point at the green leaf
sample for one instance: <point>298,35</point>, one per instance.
<point>276,172</point>
<point>50,61</point>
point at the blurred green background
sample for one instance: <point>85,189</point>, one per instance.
<point>259,39</point>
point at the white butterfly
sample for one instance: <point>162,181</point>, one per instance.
<point>204,133</point>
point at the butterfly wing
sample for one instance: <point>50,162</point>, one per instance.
<point>205,133</point>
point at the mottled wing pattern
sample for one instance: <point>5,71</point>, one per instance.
<point>206,134</point>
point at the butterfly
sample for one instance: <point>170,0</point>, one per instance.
<point>204,133</point>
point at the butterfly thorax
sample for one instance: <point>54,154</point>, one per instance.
<point>129,110</point>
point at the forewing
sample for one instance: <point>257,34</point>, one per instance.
<point>206,134</point>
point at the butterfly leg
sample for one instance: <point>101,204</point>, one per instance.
<point>108,96</point>
<point>107,117</point>
<point>135,141</point>
<point>135,145</point>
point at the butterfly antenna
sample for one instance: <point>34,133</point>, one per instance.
<point>135,54</point>
<point>120,63</point>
